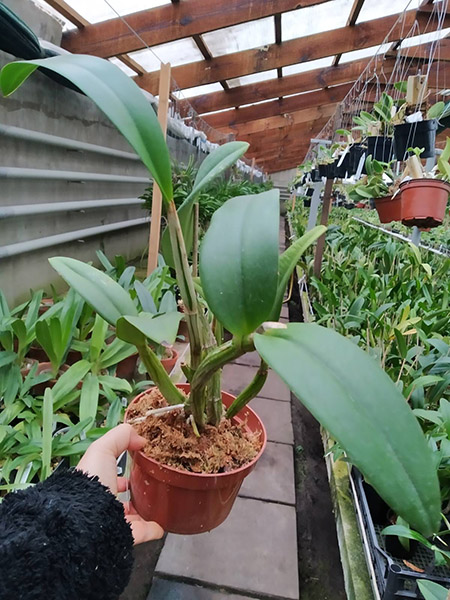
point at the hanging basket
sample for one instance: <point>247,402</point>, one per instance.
<point>424,202</point>
<point>421,134</point>
<point>356,152</point>
<point>380,148</point>
<point>389,209</point>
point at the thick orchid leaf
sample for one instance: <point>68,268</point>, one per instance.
<point>89,398</point>
<point>352,397</point>
<point>161,329</point>
<point>101,292</point>
<point>116,95</point>
<point>433,591</point>
<point>214,165</point>
<point>239,261</point>
<point>287,263</point>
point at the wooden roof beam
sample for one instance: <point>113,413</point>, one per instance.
<point>172,22</point>
<point>69,13</point>
<point>351,21</point>
<point>234,117</point>
<point>320,45</point>
<point>285,120</point>
<point>290,84</point>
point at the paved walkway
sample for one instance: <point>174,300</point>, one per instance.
<point>253,554</point>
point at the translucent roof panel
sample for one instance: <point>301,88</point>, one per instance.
<point>383,8</point>
<point>425,39</point>
<point>95,11</point>
<point>241,37</point>
<point>365,53</point>
<point>199,90</point>
<point>315,19</point>
<point>177,53</point>
<point>122,66</point>
<point>254,78</point>
<point>308,66</point>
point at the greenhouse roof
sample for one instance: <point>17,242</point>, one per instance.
<point>268,72</point>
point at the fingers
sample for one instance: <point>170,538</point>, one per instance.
<point>144,531</point>
<point>121,438</point>
<point>122,484</point>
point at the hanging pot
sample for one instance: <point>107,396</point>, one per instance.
<point>380,148</point>
<point>424,202</point>
<point>183,502</point>
<point>328,170</point>
<point>344,168</point>
<point>309,192</point>
<point>421,134</point>
<point>315,176</point>
<point>389,209</point>
<point>356,151</point>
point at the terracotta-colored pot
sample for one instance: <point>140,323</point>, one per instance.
<point>183,502</point>
<point>39,354</point>
<point>169,363</point>
<point>46,303</point>
<point>389,209</point>
<point>44,367</point>
<point>127,367</point>
<point>424,202</point>
<point>183,330</point>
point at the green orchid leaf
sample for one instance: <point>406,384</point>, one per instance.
<point>287,262</point>
<point>47,423</point>
<point>161,329</point>
<point>67,383</point>
<point>348,392</point>
<point>101,292</point>
<point>115,352</point>
<point>214,165</point>
<point>239,261</point>
<point>117,95</point>
<point>98,338</point>
<point>435,111</point>
<point>432,591</point>
<point>89,398</point>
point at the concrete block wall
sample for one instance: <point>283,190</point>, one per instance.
<point>41,105</point>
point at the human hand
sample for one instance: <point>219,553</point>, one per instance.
<point>101,459</point>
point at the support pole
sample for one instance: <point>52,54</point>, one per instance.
<point>323,221</point>
<point>155,225</point>
<point>252,172</point>
<point>314,208</point>
<point>415,236</point>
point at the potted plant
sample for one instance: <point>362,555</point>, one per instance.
<point>326,161</point>
<point>351,154</point>
<point>377,128</point>
<point>425,195</point>
<point>241,287</point>
<point>415,124</point>
<point>379,184</point>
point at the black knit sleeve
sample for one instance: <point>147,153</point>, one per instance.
<point>64,539</point>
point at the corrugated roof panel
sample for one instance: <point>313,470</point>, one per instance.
<point>253,34</point>
<point>177,53</point>
<point>315,19</point>
<point>254,78</point>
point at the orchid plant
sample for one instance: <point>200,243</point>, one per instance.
<point>241,286</point>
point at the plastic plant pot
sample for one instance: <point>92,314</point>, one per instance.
<point>380,148</point>
<point>127,367</point>
<point>183,502</point>
<point>169,363</point>
<point>424,202</point>
<point>389,209</point>
<point>315,176</point>
<point>356,152</point>
<point>421,134</point>
<point>345,168</point>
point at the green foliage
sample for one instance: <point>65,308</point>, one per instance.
<point>432,591</point>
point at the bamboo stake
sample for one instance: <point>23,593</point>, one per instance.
<point>323,221</point>
<point>252,172</point>
<point>155,224</point>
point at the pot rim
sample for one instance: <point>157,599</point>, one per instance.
<point>202,476</point>
<point>426,181</point>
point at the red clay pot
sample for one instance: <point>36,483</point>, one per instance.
<point>169,363</point>
<point>46,303</point>
<point>183,502</point>
<point>44,367</point>
<point>126,368</point>
<point>424,202</point>
<point>39,354</point>
<point>389,209</point>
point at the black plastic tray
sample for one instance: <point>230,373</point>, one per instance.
<point>394,579</point>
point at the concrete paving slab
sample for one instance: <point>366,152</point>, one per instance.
<point>285,311</point>
<point>251,359</point>
<point>254,551</point>
<point>237,377</point>
<point>273,477</point>
<point>276,417</point>
<point>168,589</point>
